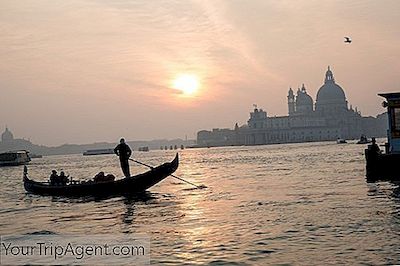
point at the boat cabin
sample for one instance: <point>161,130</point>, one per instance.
<point>385,166</point>
<point>393,105</point>
<point>12,158</point>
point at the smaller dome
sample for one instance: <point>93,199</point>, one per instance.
<point>303,98</point>
<point>7,135</point>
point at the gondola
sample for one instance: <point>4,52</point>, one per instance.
<point>126,186</point>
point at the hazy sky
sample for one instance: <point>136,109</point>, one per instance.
<point>81,71</point>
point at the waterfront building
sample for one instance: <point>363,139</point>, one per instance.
<point>7,136</point>
<point>9,143</point>
<point>329,118</point>
<point>219,137</point>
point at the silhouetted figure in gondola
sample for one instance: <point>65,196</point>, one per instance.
<point>63,179</point>
<point>374,148</point>
<point>372,154</point>
<point>124,152</point>
<point>54,178</point>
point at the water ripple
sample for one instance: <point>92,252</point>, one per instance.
<point>294,204</point>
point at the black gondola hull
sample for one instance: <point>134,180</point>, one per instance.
<point>127,186</point>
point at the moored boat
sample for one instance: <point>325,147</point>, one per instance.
<point>341,141</point>
<point>126,186</point>
<point>385,166</point>
<point>13,158</point>
<point>363,140</point>
<point>98,152</point>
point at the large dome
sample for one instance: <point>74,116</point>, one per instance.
<point>330,91</point>
<point>7,135</point>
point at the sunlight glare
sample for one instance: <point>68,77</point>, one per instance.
<point>187,84</point>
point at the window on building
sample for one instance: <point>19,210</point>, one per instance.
<point>396,118</point>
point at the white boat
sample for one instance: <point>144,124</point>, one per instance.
<point>341,141</point>
<point>12,158</point>
<point>98,152</point>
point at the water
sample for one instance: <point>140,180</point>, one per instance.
<point>296,204</point>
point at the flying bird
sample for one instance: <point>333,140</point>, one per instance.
<point>347,40</point>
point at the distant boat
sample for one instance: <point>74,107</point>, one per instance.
<point>363,140</point>
<point>35,156</point>
<point>126,186</point>
<point>98,152</point>
<point>341,141</point>
<point>144,148</point>
<point>13,158</point>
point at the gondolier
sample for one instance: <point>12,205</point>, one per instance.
<point>124,152</point>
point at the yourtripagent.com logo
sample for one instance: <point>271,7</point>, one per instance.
<point>64,249</point>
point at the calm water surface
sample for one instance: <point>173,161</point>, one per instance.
<point>295,204</point>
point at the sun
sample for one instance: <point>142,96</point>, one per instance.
<point>187,84</point>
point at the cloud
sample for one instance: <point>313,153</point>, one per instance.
<point>113,61</point>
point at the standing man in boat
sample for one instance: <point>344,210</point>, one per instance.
<point>124,152</point>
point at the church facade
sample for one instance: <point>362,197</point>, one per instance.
<point>9,143</point>
<point>329,118</point>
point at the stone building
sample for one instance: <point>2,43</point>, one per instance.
<point>329,118</point>
<point>7,136</point>
<point>9,143</point>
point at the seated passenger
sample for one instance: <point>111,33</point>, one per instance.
<point>54,177</point>
<point>63,178</point>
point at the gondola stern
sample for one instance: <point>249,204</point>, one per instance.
<point>25,174</point>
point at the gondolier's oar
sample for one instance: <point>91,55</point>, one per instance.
<point>177,177</point>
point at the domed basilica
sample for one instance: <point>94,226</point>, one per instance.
<point>331,100</point>
<point>7,136</point>
<point>329,118</point>
<point>9,143</point>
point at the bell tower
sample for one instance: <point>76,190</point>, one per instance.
<point>291,102</point>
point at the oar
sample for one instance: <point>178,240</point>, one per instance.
<point>177,177</point>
